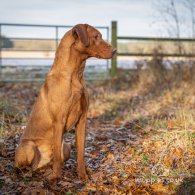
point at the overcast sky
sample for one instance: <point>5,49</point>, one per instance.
<point>135,17</point>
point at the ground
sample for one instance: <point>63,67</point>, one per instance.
<point>140,141</point>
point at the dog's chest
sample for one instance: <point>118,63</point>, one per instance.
<point>75,111</point>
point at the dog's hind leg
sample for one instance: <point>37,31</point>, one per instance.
<point>27,154</point>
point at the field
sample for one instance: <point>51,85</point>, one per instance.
<point>141,136</point>
<point>132,46</point>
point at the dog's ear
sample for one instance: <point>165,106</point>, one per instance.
<point>80,31</point>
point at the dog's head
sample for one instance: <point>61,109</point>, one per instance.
<point>88,41</point>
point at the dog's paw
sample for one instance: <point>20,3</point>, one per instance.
<point>83,175</point>
<point>53,179</point>
<point>54,176</point>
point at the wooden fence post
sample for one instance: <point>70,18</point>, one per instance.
<point>113,71</point>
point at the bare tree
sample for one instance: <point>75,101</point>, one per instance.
<point>190,6</point>
<point>168,10</point>
<point>178,16</point>
<point>169,15</point>
<point>172,13</point>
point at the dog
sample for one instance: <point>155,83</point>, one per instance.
<point>62,104</point>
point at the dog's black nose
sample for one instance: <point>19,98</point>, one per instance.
<point>114,51</point>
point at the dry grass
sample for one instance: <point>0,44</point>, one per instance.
<point>164,113</point>
<point>158,115</point>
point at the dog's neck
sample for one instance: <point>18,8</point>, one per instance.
<point>68,60</point>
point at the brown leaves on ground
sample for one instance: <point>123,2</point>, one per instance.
<point>136,144</point>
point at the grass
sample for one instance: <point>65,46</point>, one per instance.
<point>158,119</point>
<point>166,119</point>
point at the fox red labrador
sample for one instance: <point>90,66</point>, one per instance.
<point>62,104</point>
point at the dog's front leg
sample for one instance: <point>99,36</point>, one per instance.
<point>80,145</point>
<point>57,145</point>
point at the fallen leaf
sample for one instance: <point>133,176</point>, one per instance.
<point>97,175</point>
<point>160,188</point>
<point>104,148</point>
<point>177,152</point>
<point>65,184</point>
<point>118,121</point>
<point>171,124</point>
<point>167,161</point>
